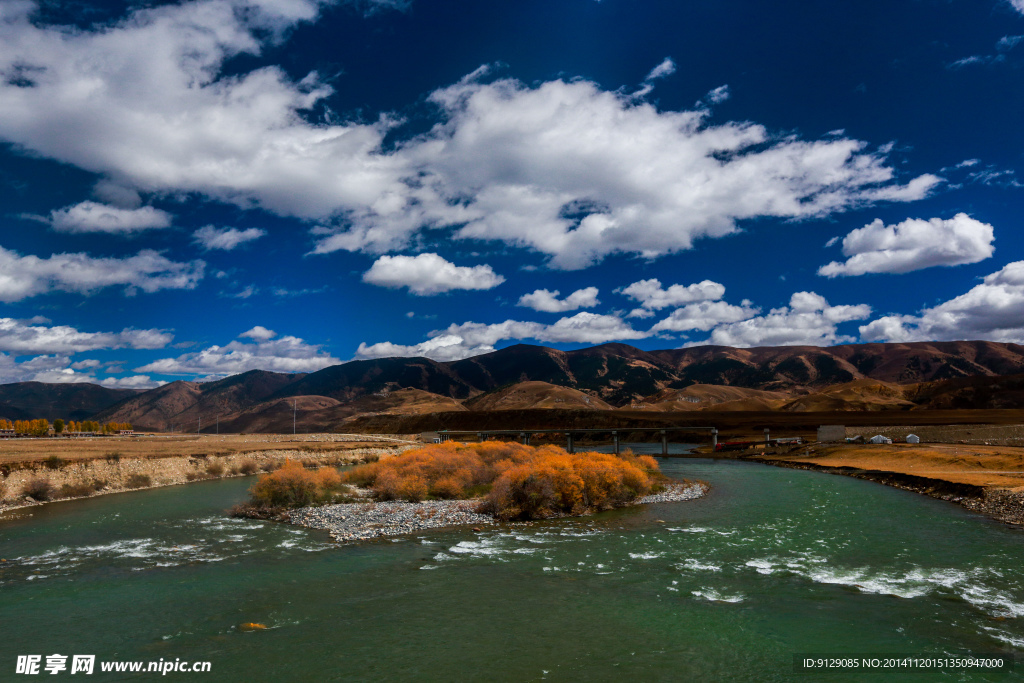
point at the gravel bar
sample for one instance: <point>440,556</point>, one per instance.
<point>348,522</point>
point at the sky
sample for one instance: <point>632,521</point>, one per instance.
<point>195,189</point>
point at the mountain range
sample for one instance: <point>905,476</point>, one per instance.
<point>905,376</point>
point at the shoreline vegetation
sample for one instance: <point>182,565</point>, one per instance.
<point>82,473</point>
<point>452,484</point>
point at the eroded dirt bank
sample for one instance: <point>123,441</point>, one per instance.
<point>35,482</point>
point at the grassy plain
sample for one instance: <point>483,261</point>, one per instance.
<point>193,445</point>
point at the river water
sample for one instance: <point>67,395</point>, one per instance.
<point>773,562</point>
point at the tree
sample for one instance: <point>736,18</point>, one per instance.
<point>58,426</point>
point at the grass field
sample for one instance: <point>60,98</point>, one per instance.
<point>163,446</point>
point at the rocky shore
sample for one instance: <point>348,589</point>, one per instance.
<point>1001,504</point>
<point>85,478</point>
<point>349,522</point>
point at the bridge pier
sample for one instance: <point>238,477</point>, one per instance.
<point>664,443</point>
<point>615,435</point>
<point>714,439</point>
<point>525,436</point>
<point>568,443</point>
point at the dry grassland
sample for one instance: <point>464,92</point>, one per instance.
<point>978,465</point>
<point>194,445</point>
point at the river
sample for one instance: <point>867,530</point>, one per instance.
<point>773,562</point>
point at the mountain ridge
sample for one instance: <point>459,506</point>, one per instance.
<point>612,374</point>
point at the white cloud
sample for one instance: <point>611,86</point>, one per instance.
<point>1007,43</point>
<point>912,245</point>
<point>992,310</point>
<point>703,316</point>
<point>58,369</point>
<point>718,95</point>
<point>284,354</point>
<point>666,68</point>
<point>808,320</point>
<point>1018,5</point>
<point>145,103</point>
<point>22,338</point>
<point>259,333</point>
<point>94,217</point>
<point>426,274</point>
<point>26,276</point>
<point>578,173</point>
<point>653,298</point>
<point>131,382</point>
<point>227,239</point>
<point>472,339</point>
<point>548,302</point>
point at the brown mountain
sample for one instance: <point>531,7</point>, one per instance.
<point>181,405</point>
<point>35,400</point>
<point>796,378</point>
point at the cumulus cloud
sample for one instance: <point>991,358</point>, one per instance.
<point>283,354</point>
<point>144,103</point>
<point>808,320</point>
<point>565,168</point>
<point>23,338</point>
<point>259,333</point>
<point>578,173</point>
<point>992,310</point>
<point>548,302</point>
<point>653,297</point>
<point>58,369</point>
<point>426,274</point>
<point>209,237</point>
<point>94,217</point>
<point>472,339</point>
<point>703,316</point>
<point>131,382</point>
<point>913,244</point>
<point>26,276</point>
<point>1018,5</point>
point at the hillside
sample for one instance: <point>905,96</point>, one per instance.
<point>181,405</point>
<point>34,400</point>
<point>531,395</point>
<point>523,377</point>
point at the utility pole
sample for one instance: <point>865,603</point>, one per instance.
<point>200,427</point>
<point>295,408</point>
<point>218,424</point>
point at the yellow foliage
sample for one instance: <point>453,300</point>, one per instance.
<point>521,482</point>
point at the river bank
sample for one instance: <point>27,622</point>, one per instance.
<point>37,482</point>
<point>982,478</point>
<point>350,522</point>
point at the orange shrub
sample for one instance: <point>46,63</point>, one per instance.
<point>521,482</point>
<point>294,486</point>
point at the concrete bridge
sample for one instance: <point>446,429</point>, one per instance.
<point>570,434</point>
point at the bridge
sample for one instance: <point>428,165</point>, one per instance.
<point>570,434</point>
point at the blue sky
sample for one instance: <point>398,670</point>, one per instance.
<point>196,189</point>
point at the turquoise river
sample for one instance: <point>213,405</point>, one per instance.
<point>772,563</point>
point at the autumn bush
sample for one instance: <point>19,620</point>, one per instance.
<point>295,486</point>
<point>37,488</point>
<point>518,482</point>
<point>215,469</point>
<point>248,467</point>
<point>138,481</point>
<point>80,490</point>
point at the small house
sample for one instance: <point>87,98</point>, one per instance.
<point>878,438</point>
<point>913,438</point>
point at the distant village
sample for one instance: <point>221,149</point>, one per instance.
<point>60,428</point>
